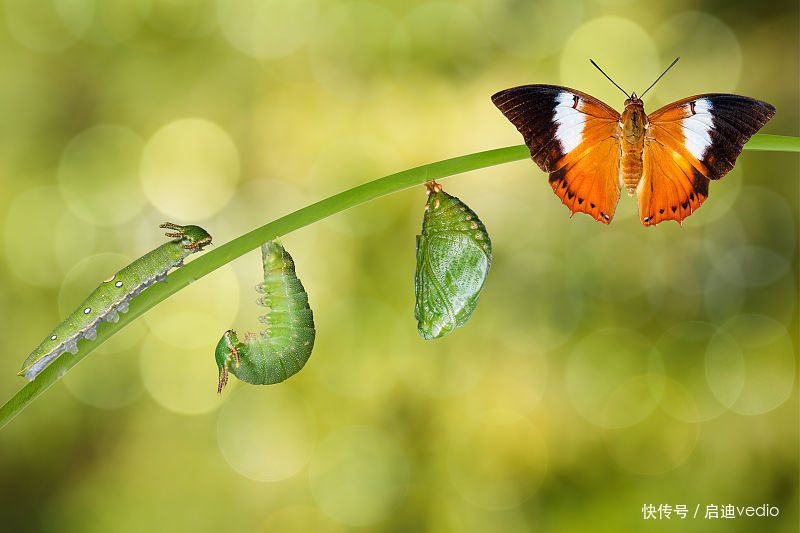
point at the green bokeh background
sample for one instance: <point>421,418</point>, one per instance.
<point>606,367</point>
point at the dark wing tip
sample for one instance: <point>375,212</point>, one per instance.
<point>529,91</point>
<point>499,97</point>
<point>767,111</point>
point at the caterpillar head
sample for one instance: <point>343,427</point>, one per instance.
<point>226,352</point>
<point>191,237</point>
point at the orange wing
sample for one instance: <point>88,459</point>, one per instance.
<point>574,137</point>
<point>690,142</point>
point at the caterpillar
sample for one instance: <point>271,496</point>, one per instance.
<point>114,294</point>
<point>454,255</point>
<point>284,346</point>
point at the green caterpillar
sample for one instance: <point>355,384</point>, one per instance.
<point>284,346</point>
<point>114,294</point>
<point>454,254</point>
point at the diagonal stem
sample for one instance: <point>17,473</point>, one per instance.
<point>229,251</point>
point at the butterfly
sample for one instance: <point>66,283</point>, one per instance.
<point>667,157</point>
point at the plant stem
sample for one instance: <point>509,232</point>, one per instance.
<point>229,251</point>
<point>774,143</point>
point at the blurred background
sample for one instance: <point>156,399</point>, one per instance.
<point>606,367</point>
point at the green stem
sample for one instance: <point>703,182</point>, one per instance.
<point>229,251</point>
<point>774,143</point>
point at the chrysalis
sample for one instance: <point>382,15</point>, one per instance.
<point>454,254</point>
<point>284,346</point>
<point>114,294</point>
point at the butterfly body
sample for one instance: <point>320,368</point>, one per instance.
<point>633,125</point>
<point>667,157</point>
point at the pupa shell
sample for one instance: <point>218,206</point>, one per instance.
<point>454,255</point>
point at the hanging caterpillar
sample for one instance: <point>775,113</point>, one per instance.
<point>114,294</point>
<point>454,254</point>
<point>284,346</point>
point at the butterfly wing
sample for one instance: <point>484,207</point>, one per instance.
<point>690,142</point>
<point>575,138</point>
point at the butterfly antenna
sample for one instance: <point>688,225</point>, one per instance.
<point>662,75</point>
<point>609,79</point>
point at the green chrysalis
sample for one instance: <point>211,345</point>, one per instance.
<point>454,254</point>
<point>114,294</point>
<point>284,346</point>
